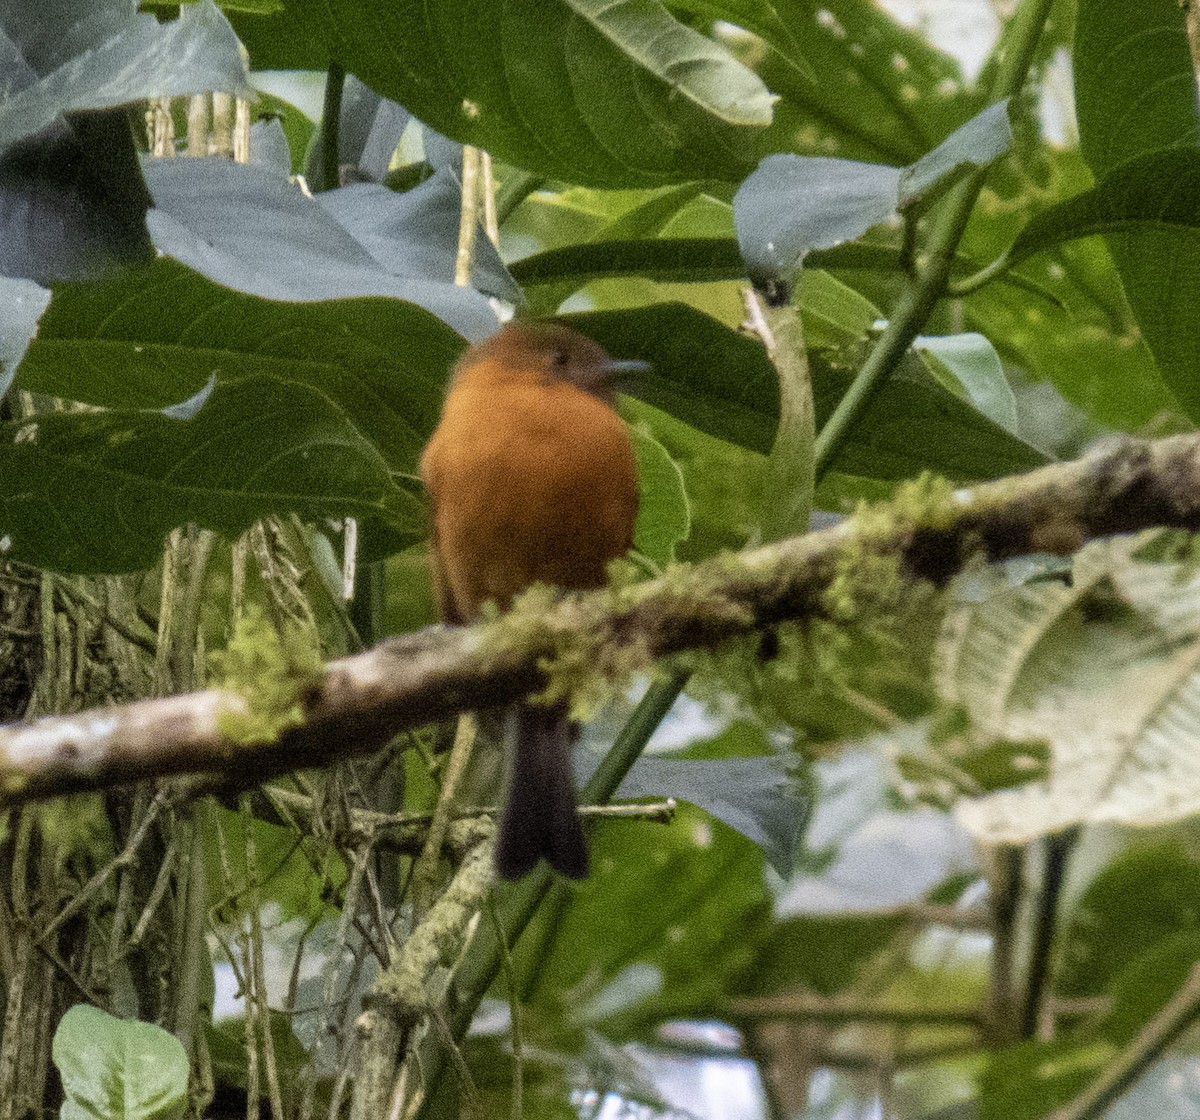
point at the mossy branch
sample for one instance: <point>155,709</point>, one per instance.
<point>585,645</point>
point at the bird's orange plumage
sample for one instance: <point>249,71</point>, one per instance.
<point>532,478</point>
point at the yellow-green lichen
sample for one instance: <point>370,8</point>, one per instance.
<point>272,672</point>
<point>869,575</point>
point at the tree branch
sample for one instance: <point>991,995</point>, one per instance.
<point>361,701</point>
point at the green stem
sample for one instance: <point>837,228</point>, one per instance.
<point>331,120</point>
<point>977,280</point>
<point>920,295</point>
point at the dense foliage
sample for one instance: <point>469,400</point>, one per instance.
<point>935,848</point>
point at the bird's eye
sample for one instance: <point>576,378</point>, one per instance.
<point>560,358</point>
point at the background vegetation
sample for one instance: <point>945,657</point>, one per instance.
<point>932,850</point>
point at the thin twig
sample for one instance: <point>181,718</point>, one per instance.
<point>469,217</point>
<point>125,859</point>
<point>1179,1013</point>
<point>425,873</point>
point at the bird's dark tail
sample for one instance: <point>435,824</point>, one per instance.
<point>540,818</point>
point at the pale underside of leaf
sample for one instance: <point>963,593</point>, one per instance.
<point>1115,693</point>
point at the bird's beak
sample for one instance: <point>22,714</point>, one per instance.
<point>620,370</point>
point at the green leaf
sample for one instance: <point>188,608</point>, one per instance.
<point>1149,210</point>
<point>643,221</point>
<point>152,337</point>
<point>1135,86</point>
<point>722,383</point>
<point>1085,340</point>
<point>1156,191</point>
<point>630,96</point>
<point>1135,92</point>
<point>694,900</point>
<point>1028,1080</point>
<point>855,82</point>
<point>97,492</point>
<point>114,1069</point>
<point>118,55</point>
<point>1143,898</point>
<point>664,518</point>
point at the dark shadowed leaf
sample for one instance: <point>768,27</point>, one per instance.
<point>72,200</point>
<point>97,492</point>
<point>721,382</point>
<point>152,337</point>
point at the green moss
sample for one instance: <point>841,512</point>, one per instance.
<point>272,672</point>
<point>869,576</point>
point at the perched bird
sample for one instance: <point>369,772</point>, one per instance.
<point>532,478</point>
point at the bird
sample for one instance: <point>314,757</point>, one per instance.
<point>532,478</point>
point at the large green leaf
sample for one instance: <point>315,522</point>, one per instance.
<point>1149,208</point>
<point>693,900</point>
<point>1085,340</point>
<point>853,81</point>
<point>114,1069</point>
<point>152,337</point>
<point>1135,89</point>
<point>97,492</point>
<point>1140,900</point>
<point>722,383</point>
<point>589,91</point>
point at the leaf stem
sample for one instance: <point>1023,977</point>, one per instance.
<point>1058,854</point>
<point>331,120</point>
<point>920,295</point>
<point>977,280</point>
